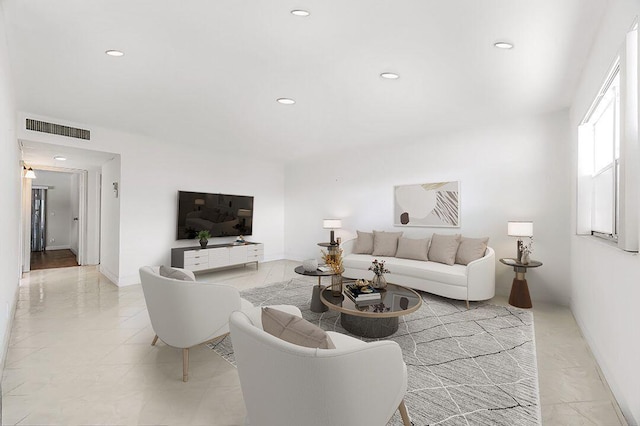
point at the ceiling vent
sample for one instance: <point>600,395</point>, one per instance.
<point>57,129</point>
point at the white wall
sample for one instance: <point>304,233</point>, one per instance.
<point>509,171</point>
<point>605,281</point>
<point>92,248</point>
<point>58,208</point>
<point>10,190</point>
<point>110,249</point>
<point>74,202</point>
<point>151,173</point>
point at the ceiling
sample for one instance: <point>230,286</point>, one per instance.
<point>208,73</point>
<point>41,156</point>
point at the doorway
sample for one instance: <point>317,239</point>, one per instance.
<point>54,220</point>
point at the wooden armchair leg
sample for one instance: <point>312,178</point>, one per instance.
<point>155,339</point>
<point>404,414</point>
<point>467,304</point>
<point>185,365</point>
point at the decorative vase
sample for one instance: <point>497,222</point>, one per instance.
<point>310,265</point>
<point>525,258</point>
<point>379,282</point>
<point>336,285</point>
<point>203,242</point>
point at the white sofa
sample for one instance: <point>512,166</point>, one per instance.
<point>472,282</point>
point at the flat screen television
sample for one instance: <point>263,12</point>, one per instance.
<point>222,214</point>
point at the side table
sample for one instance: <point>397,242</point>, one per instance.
<point>316,305</point>
<point>519,296</point>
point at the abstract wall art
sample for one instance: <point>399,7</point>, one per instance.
<point>427,204</point>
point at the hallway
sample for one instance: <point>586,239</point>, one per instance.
<point>52,259</point>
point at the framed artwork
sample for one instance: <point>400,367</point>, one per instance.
<point>427,204</point>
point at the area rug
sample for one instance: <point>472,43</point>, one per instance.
<point>465,367</point>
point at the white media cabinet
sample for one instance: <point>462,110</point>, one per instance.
<point>216,256</point>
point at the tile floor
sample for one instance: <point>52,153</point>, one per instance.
<point>80,353</point>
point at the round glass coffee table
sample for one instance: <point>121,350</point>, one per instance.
<point>377,319</point>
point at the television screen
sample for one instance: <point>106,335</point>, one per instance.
<point>223,215</point>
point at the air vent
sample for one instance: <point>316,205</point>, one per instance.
<point>57,129</point>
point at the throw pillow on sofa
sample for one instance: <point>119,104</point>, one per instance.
<point>175,274</point>
<point>293,329</point>
<point>413,249</point>
<point>444,248</point>
<point>471,249</point>
<point>385,243</point>
<point>364,243</point>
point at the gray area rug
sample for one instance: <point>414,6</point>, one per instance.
<point>465,367</point>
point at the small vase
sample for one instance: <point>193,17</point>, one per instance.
<point>525,258</point>
<point>336,285</point>
<point>379,282</point>
<point>204,242</point>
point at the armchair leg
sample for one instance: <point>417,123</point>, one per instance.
<point>404,414</point>
<point>155,339</point>
<point>467,304</point>
<point>185,364</point>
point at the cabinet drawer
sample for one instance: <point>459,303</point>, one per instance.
<point>196,254</point>
<point>197,266</point>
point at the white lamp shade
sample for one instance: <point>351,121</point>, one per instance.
<point>30,174</point>
<point>520,229</point>
<point>331,223</point>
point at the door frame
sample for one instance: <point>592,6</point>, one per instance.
<point>82,213</point>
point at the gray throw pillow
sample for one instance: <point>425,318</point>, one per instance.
<point>471,249</point>
<point>444,248</point>
<point>175,274</point>
<point>293,329</point>
<point>413,249</point>
<point>385,243</point>
<point>364,243</point>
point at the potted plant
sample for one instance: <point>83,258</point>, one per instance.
<point>203,236</point>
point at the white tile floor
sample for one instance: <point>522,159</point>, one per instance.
<point>80,353</point>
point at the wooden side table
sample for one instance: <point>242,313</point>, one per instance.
<point>519,296</point>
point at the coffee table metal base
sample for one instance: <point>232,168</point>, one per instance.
<point>369,327</point>
<point>316,305</point>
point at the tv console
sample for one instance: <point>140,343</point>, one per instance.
<point>216,256</point>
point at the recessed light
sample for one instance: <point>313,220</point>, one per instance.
<point>116,53</point>
<point>60,158</point>
<point>300,12</point>
<point>389,75</point>
<point>286,101</point>
<point>503,45</point>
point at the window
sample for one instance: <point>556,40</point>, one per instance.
<point>602,126</point>
<point>608,150</point>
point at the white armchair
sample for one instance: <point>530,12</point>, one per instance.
<point>357,383</point>
<point>184,313</point>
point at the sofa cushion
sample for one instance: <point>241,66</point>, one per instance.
<point>443,248</point>
<point>364,243</point>
<point>175,274</point>
<point>385,243</point>
<point>413,249</point>
<point>454,275</point>
<point>293,329</point>
<point>448,274</point>
<point>471,249</point>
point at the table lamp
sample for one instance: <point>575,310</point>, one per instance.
<point>332,224</point>
<point>520,229</point>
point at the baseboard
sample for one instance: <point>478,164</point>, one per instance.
<point>7,334</point>
<point>112,277</point>
<point>613,385</point>
<point>67,247</point>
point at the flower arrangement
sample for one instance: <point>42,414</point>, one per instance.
<point>203,235</point>
<point>334,260</point>
<point>378,267</point>
<point>527,248</point>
